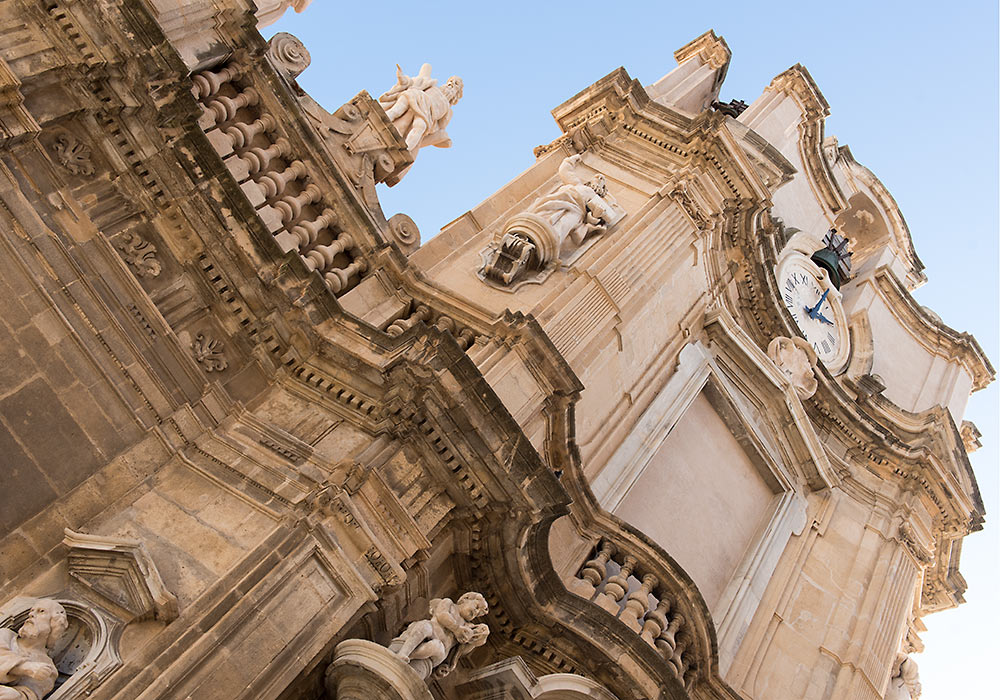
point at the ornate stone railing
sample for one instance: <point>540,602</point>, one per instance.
<point>634,588</point>
<point>274,179</point>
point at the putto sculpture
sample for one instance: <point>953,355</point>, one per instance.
<point>437,643</point>
<point>420,109</point>
<point>27,672</point>
<point>554,225</point>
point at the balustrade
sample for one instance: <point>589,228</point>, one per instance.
<point>622,585</point>
<point>275,182</point>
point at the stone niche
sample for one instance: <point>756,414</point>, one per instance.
<point>109,583</point>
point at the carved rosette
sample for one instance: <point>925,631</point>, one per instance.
<point>288,55</point>
<point>797,361</point>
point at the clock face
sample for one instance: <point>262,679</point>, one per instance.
<point>814,303</point>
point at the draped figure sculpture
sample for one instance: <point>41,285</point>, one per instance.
<point>438,642</point>
<point>26,670</point>
<point>554,225</point>
<point>420,109</point>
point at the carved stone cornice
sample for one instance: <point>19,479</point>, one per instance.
<point>799,85</point>
<point>712,49</point>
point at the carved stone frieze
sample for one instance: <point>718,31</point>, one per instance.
<point>797,361</point>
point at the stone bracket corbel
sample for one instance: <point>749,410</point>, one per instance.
<point>120,572</point>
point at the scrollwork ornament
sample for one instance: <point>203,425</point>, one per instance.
<point>73,154</point>
<point>288,54</point>
<point>404,233</point>
<point>209,353</point>
<point>140,254</point>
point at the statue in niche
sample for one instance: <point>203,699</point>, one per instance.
<point>441,640</point>
<point>905,681</point>
<point>554,224</point>
<point>420,109</point>
<point>26,670</point>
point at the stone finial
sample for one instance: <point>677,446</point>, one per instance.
<point>437,643</point>
<point>288,55</point>
<point>26,669</point>
<point>797,361</point>
<point>420,109</point>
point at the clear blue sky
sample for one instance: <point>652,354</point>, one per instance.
<point>913,91</point>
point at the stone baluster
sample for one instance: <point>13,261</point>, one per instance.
<point>656,621</point>
<point>290,207</point>
<point>615,587</point>
<point>243,133</point>
<point>321,257</point>
<point>306,232</point>
<point>274,183</point>
<point>339,279</point>
<point>400,325</point>
<point>667,641</point>
<point>258,159</point>
<point>637,603</point>
<point>466,338</point>
<point>445,323</point>
<point>677,659</point>
<point>594,571</point>
<point>219,110</point>
<point>208,83</point>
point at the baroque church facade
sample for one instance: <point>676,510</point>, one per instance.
<point>658,419</point>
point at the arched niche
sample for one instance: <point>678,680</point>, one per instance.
<point>85,654</point>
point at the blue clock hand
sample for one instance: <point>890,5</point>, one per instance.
<point>823,318</point>
<point>813,310</point>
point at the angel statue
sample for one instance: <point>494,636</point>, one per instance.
<point>420,109</point>
<point>26,670</point>
<point>448,635</point>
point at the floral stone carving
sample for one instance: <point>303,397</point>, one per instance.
<point>208,353</point>
<point>797,361</point>
<point>73,154</point>
<point>437,643</point>
<point>554,226</point>
<point>27,672</point>
<point>140,254</point>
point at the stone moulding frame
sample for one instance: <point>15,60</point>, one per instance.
<point>730,359</point>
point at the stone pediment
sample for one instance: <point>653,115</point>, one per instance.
<point>120,572</point>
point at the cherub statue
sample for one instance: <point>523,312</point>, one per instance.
<point>440,641</point>
<point>419,109</point>
<point>26,670</point>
